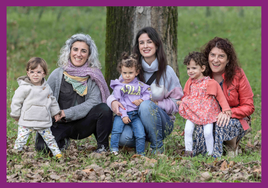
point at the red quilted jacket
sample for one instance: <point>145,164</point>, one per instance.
<point>240,97</point>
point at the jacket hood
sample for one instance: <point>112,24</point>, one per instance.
<point>25,80</point>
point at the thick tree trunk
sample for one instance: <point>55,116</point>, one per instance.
<point>122,25</point>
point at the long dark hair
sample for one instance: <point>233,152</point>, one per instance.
<point>228,48</point>
<point>160,53</point>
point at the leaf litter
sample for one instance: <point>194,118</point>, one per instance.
<point>80,164</point>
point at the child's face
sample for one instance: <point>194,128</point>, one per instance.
<point>128,74</point>
<point>36,75</point>
<point>194,70</point>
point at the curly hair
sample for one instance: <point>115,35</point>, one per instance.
<point>92,61</point>
<point>228,48</point>
<point>199,59</point>
<point>128,61</point>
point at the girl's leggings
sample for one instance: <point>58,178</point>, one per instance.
<point>188,136</point>
<point>24,133</point>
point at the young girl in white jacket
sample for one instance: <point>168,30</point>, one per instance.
<point>33,105</point>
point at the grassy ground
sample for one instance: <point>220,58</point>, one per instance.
<point>39,31</point>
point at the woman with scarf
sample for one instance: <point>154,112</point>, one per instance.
<point>81,91</point>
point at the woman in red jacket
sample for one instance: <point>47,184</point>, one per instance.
<point>225,69</point>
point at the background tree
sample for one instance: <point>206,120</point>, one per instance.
<point>122,25</point>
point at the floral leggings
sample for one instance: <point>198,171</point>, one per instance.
<point>23,135</point>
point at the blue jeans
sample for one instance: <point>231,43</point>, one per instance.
<point>137,127</point>
<point>157,125</point>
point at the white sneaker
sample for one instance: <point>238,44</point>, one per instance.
<point>114,152</point>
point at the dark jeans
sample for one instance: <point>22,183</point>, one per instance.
<point>98,121</point>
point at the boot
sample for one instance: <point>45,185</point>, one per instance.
<point>232,147</point>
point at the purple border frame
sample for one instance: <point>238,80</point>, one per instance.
<point>3,6</point>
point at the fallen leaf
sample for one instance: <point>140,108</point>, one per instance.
<point>88,170</point>
<point>54,177</point>
<point>257,170</point>
<point>223,165</point>
<point>250,145</point>
<point>206,176</point>
<point>231,164</point>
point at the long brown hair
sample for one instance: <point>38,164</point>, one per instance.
<point>160,53</point>
<point>228,48</point>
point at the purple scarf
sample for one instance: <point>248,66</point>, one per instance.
<point>95,75</point>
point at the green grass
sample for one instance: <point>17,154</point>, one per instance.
<point>40,31</point>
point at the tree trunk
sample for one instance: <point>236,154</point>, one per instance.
<point>122,25</point>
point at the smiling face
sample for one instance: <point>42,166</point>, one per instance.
<point>36,75</point>
<point>128,74</point>
<point>147,48</point>
<point>194,70</point>
<point>79,53</point>
<point>217,60</point>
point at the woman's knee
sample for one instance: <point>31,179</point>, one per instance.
<point>145,106</point>
<point>104,109</point>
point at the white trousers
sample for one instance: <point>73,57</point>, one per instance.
<point>24,133</point>
<point>208,133</point>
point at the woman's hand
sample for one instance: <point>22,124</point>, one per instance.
<point>59,116</point>
<point>223,119</point>
<point>156,102</point>
<point>228,112</point>
<point>115,107</point>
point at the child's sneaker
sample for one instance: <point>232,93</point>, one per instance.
<point>114,152</point>
<point>58,156</point>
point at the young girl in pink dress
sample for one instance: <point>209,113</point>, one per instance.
<point>199,105</point>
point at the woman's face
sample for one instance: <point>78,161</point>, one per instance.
<point>217,60</point>
<point>147,48</point>
<point>79,53</point>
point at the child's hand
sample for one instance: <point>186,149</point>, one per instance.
<point>179,102</point>
<point>228,112</point>
<point>126,120</point>
<point>137,102</point>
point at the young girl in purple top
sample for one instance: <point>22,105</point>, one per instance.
<point>131,93</point>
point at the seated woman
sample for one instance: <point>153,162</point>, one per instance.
<point>81,92</point>
<point>157,116</point>
<point>225,69</point>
